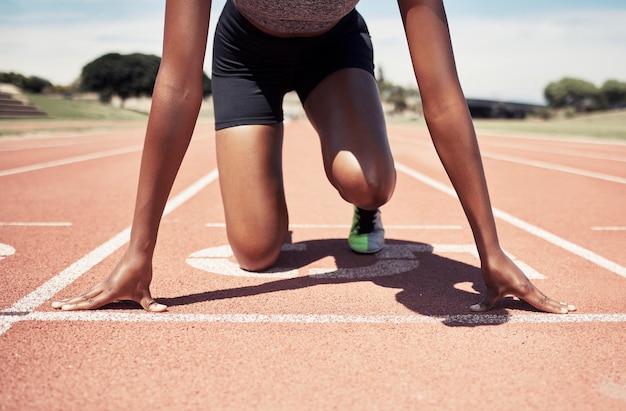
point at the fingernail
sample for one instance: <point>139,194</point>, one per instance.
<point>476,307</point>
<point>160,308</point>
<point>57,304</point>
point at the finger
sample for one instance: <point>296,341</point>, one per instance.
<point>542,302</point>
<point>59,304</point>
<point>88,303</point>
<point>570,307</point>
<point>92,293</point>
<point>552,306</point>
<point>149,304</point>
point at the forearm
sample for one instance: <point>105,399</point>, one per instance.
<point>455,141</point>
<point>446,113</point>
<point>173,115</point>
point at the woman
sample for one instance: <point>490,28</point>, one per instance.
<point>321,49</point>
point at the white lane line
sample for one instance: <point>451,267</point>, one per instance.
<point>539,164</point>
<point>84,264</point>
<point>346,226</point>
<point>453,319</point>
<point>609,228</point>
<point>35,224</point>
<point>564,244</point>
<point>70,160</point>
<point>6,251</point>
<point>592,141</point>
<point>571,152</point>
<point>536,231</point>
<point>554,167</point>
<point>83,140</point>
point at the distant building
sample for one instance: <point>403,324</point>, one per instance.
<point>500,109</point>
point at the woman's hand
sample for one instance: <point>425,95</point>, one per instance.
<point>130,280</point>
<point>503,278</point>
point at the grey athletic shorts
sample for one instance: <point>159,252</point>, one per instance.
<point>253,70</point>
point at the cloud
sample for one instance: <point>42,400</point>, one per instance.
<point>509,57</point>
<point>515,57</point>
<point>58,50</point>
<point>519,56</point>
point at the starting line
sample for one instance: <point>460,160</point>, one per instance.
<point>453,319</point>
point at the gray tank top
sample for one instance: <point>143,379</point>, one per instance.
<point>295,16</point>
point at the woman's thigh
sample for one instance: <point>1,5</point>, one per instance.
<point>251,182</point>
<point>346,111</point>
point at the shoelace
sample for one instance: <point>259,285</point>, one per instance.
<point>366,221</point>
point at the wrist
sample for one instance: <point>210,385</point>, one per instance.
<point>141,250</point>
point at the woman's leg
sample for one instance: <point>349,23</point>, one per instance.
<point>251,181</point>
<point>346,112</point>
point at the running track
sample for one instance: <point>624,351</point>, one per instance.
<point>327,329</point>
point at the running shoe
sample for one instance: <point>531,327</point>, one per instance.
<point>367,235</point>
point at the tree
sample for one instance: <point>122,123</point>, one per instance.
<point>36,84</point>
<point>30,84</point>
<point>613,93</point>
<point>125,75</point>
<point>393,93</point>
<point>569,91</point>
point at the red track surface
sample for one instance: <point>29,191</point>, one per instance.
<point>329,329</point>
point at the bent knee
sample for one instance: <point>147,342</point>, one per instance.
<point>367,189</point>
<point>256,255</point>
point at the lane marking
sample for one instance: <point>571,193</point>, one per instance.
<point>347,226</point>
<point>55,144</point>
<point>554,167</point>
<point>539,164</point>
<point>562,139</point>
<point>6,251</point>
<point>451,319</point>
<point>35,224</point>
<point>609,228</point>
<point>613,144</point>
<point>529,228</point>
<point>71,160</point>
<point>88,261</point>
<point>570,152</point>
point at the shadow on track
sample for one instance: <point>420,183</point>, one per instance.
<point>431,286</point>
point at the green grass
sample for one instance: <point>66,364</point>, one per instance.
<point>605,125</point>
<point>70,115</point>
<point>67,109</point>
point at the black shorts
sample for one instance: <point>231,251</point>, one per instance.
<point>253,70</point>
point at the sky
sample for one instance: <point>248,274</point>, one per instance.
<point>505,50</point>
